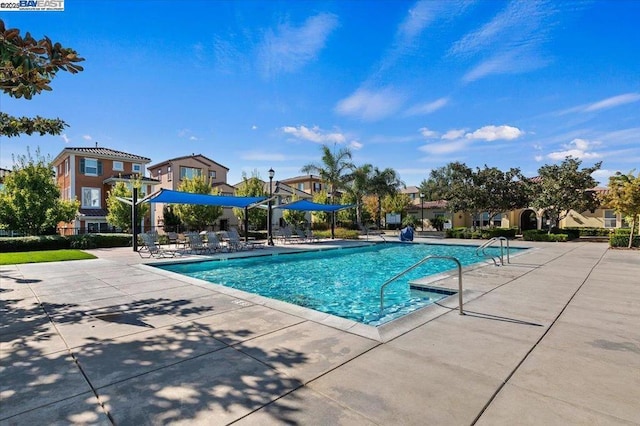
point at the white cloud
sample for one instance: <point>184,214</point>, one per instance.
<point>602,176</point>
<point>287,48</point>
<point>369,105</point>
<point>314,134</point>
<point>607,103</point>
<point>613,101</point>
<point>262,156</point>
<point>193,138</point>
<point>428,133</point>
<point>427,108</point>
<point>355,145</point>
<point>453,134</point>
<point>577,148</point>
<point>254,127</point>
<point>87,137</point>
<point>539,158</point>
<point>444,147</point>
<point>510,42</point>
<point>492,133</point>
<point>65,138</point>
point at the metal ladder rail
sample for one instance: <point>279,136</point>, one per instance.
<point>389,281</point>
<point>481,250</point>
<point>501,239</point>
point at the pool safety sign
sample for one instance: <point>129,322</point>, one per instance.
<point>32,6</point>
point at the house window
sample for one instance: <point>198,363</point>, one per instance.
<point>317,187</point>
<point>497,220</point>
<point>189,172</point>
<point>301,186</point>
<point>118,166</point>
<point>609,218</point>
<point>169,174</point>
<point>90,167</point>
<point>66,167</point>
<point>136,168</point>
<point>159,174</point>
<point>212,174</point>
<point>482,220</point>
<point>91,198</point>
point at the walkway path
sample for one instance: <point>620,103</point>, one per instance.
<point>552,338</point>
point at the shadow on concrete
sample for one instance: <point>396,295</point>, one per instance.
<point>176,373</point>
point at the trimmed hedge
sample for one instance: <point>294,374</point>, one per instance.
<point>591,232</point>
<point>58,242</point>
<point>620,238</point>
<point>346,234</point>
<point>542,235</point>
<point>468,233</point>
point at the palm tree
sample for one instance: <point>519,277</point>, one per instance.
<point>358,187</point>
<point>333,170</point>
<point>381,183</point>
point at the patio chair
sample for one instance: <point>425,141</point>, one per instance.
<point>152,248</point>
<point>196,244</point>
<point>235,243</point>
<point>213,242</point>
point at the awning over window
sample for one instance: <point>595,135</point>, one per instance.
<point>309,206</point>
<point>178,197</point>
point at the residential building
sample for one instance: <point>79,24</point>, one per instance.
<point>170,174</point>
<point>87,174</point>
<point>310,184</point>
<point>3,173</point>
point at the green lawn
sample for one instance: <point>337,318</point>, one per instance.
<point>43,256</point>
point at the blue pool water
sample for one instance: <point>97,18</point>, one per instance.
<point>344,282</point>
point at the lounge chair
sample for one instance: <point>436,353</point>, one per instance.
<point>235,243</point>
<point>213,243</point>
<point>233,233</point>
<point>196,244</point>
<point>152,248</point>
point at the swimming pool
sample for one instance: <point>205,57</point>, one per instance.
<point>343,282</point>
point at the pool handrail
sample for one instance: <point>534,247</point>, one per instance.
<point>395,277</point>
<point>486,244</point>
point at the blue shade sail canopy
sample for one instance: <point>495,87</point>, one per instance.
<point>178,197</point>
<point>309,206</point>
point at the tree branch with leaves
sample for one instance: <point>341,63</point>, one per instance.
<point>27,67</point>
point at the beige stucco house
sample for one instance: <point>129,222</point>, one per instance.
<point>170,174</point>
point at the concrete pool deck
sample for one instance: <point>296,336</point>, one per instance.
<point>552,338</point>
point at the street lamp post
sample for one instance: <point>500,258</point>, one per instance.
<point>269,226</point>
<point>422,211</point>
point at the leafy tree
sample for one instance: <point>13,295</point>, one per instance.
<point>27,66</point>
<point>381,183</point>
<point>30,201</point>
<point>624,198</point>
<point>170,219</point>
<point>396,203</point>
<point>564,187</point>
<point>119,213</point>
<point>294,217</point>
<point>456,184</point>
<point>334,170</point>
<point>499,192</point>
<point>198,216</point>
<point>356,189</point>
<point>252,187</point>
<point>370,208</point>
<point>321,198</point>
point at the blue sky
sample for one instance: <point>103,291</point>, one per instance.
<point>407,85</point>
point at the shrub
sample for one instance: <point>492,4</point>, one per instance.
<point>58,242</point>
<point>591,232</point>
<point>620,238</point>
<point>542,235</point>
<point>347,234</point>
<point>500,232</point>
<point>49,242</point>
